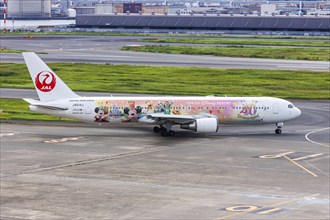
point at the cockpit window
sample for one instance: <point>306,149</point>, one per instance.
<point>290,106</point>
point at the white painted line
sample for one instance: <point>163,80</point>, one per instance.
<point>314,142</point>
<point>6,134</point>
<point>321,171</point>
<point>63,140</point>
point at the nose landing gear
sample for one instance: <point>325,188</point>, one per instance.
<point>279,128</point>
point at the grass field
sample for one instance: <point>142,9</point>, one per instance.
<point>322,54</point>
<point>178,80</point>
<point>277,42</point>
<point>5,50</point>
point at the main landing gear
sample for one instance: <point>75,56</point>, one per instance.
<point>279,128</point>
<point>164,131</point>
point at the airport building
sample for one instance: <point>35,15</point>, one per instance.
<point>29,9</point>
<point>206,22</point>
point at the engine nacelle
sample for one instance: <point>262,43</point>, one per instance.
<point>202,125</point>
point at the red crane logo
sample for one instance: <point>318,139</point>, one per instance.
<point>46,85</point>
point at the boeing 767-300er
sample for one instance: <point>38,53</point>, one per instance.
<point>200,114</point>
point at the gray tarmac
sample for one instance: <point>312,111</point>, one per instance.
<point>58,170</point>
<point>106,49</point>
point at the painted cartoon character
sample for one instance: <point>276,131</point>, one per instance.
<point>167,107</point>
<point>158,109</point>
<point>101,114</point>
<point>149,109</point>
<point>132,112</point>
<point>115,112</point>
<point>176,112</point>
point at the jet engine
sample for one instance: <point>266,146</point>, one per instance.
<point>202,125</point>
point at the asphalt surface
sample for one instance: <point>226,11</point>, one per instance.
<point>106,49</point>
<point>57,170</point>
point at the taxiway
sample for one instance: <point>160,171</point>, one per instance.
<point>106,49</point>
<point>62,170</point>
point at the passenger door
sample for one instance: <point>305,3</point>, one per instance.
<point>275,108</point>
<point>88,108</point>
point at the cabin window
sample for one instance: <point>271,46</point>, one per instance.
<point>290,106</point>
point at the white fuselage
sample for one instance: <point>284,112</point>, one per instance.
<point>134,109</point>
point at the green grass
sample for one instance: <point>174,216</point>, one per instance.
<point>13,109</point>
<point>5,50</point>
<point>204,40</point>
<point>179,80</point>
<point>248,52</point>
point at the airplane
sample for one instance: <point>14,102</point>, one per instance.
<point>199,114</point>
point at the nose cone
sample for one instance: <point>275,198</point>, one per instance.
<point>297,112</point>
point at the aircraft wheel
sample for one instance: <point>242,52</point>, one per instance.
<point>156,129</point>
<point>164,133</point>
<point>171,133</point>
<point>278,131</point>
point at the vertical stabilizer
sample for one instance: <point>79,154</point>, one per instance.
<point>48,85</point>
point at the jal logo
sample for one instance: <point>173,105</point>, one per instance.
<point>45,81</point>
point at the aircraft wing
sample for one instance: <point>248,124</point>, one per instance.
<point>177,119</point>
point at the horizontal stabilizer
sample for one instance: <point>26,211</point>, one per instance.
<point>43,105</point>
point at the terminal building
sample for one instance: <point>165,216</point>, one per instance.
<point>206,22</point>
